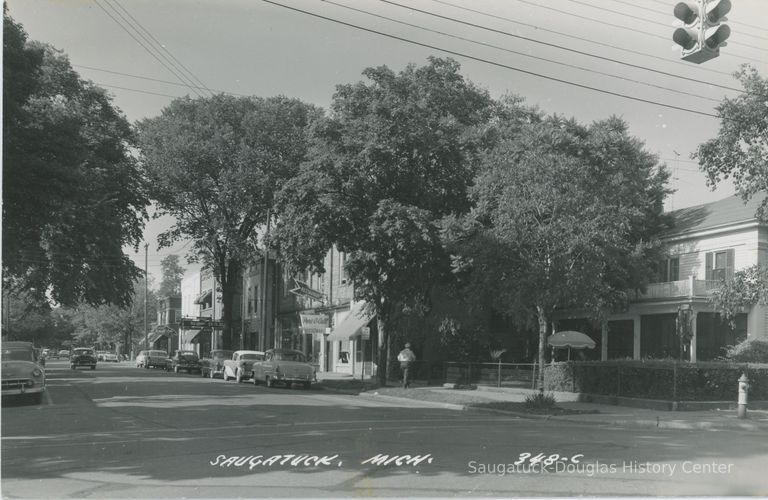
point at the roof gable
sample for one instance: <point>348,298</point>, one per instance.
<point>723,213</point>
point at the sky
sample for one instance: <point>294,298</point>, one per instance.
<point>587,59</point>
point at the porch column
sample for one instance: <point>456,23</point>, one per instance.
<point>323,354</point>
<point>636,348</point>
<point>604,343</point>
<point>693,336</point>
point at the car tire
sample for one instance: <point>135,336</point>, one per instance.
<point>253,379</point>
<point>306,385</point>
<point>224,375</point>
<point>239,376</point>
<point>269,382</point>
<point>210,374</point>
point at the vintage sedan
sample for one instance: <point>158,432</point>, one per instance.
<point>22,373</point>
<point>156,359</point>
<point>111,357</point>
<point>284,366</point>
<point>186,361</point>
<point>240,366</point>
<point>82,356</point>
<point>212,364</point>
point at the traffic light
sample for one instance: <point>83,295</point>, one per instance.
<point>702,33</point>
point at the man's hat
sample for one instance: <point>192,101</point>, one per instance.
<point>407,344</point>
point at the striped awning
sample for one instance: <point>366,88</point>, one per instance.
<point>351,325</point>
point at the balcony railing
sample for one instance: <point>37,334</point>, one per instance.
<point>690,288</point>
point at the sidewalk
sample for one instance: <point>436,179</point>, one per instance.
<point>597,414</point>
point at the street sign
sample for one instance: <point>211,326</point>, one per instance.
<point>313,323</point>
<point>303,290</point>
<point>365,333</point>
<point>198,324</point>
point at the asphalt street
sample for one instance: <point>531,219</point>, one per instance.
<point>121,431</point>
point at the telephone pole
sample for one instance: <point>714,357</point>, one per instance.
<point>146,292</point>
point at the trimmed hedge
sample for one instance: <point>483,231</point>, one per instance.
<point>665,380</point>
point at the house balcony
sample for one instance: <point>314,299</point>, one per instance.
<point>684,289</point>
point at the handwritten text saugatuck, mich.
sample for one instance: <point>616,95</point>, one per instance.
<point>252,462</point>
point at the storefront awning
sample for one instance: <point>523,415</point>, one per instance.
<point>350,326</point>
<point>203,297</point>
<point>191,336</point>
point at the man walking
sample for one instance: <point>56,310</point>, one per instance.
<point>406,358</point>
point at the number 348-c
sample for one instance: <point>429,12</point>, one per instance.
<point>541,458</point>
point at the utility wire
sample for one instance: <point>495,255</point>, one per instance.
<point>666,13</point>
<point>180,78</point>
<point>559,63</point>
<point>578,2</point>
<point>547,30</point>
<point>135,90</point>
<point>560,46</point>
<point>605,23</point>
<point>92,68</point>
<point>159,44</point>
<point>494,63</point>
<point>186,78</point>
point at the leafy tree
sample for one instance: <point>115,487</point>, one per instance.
<point>564,219</point>
<point>72,195</point>
<point>394,157</point>
<point>215,164</point>
<point>43,326</point>
<point>173,273</point>
<point>744,289</point>
<point>740,150</point>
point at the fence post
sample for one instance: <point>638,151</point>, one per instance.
<point>498,382</point>
<point>674,385</point>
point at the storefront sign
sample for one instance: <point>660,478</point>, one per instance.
<point>365,333</point>
<point>313,323</point>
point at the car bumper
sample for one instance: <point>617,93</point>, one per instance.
<point>294,378</point>
<point>21,386</point>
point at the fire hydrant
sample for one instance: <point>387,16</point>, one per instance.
<point>743,393</point>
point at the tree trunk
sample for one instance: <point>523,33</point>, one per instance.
<point>383,360</point>
<point>542,316</point>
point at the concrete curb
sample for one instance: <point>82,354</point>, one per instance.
<point>433,404</point>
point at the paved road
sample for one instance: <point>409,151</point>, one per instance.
<point>120,431</point>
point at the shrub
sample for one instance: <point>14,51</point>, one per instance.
<point>748,351</point>
<point>540,401</point>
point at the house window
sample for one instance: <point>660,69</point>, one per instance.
<point>720,265</point>
<point>669,269</point>
<point>249,300</point>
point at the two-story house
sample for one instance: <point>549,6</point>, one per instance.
<point>706,244</point>
<point>165,333</point>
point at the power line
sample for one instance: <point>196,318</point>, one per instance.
<point>494,63</point>
<point>158,44</point>
<point>578,2</point>
<point>179,77</point>
<point>605,23</point>
<point>666,13</point>
<point>92,68</point>
<point>559,63</point>
<point>559,46</point>
<point>136,90</point>
<point>574,37</point>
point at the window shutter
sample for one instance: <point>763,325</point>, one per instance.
<point>730,257</point>
<point>709,275</point>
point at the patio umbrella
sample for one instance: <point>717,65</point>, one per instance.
<point>571,340</point>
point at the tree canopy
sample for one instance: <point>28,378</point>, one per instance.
<point>740,150</point>
<point>215,165</point>
<point>173,272</point>
<point>565,217</point>
<point>744,289</point>
<point>394,157</point>
<point>72,195</point>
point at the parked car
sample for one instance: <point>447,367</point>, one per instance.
<point>187,361</point>
<point>110,357</point>
<point>156,359</point>
<point>82,356</point>
<point>64,353</point>
<point>240,366</point>
<point>212,364</point>
<point>284,366</point>
<point>141,359</point>
<point>21,372</point>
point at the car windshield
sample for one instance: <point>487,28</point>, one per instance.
<point>221,354</point>
<point>289,356</point>
<point>18,355</point>
<point>80,352</point>
<point>188,354</point>
<point>251,356</point>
